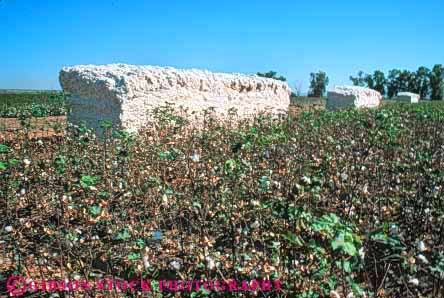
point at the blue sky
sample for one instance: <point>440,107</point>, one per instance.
<point>292,37</point>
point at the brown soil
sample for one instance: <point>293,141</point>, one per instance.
<point>12,128</point>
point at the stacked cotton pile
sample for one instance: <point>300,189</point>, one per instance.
<point>352,96</point>
<point>126,94</point>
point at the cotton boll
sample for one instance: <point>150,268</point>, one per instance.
<point>146,262</point>
<point>414,281</point>
<point>255,225</point>
<point>9,229</point>
<point>361,253</point>
<point>210,263</point>
<point>421,246</point>
<point>393,230</point>
<point>423,259</point>
<point>195,157</point>
<point>175,265</point>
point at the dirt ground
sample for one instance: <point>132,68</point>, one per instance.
<point>33,128</point>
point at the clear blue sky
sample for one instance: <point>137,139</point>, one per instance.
<point>293,37</point>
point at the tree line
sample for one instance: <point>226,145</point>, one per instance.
<point>428,83</point>
<point>318,82</point>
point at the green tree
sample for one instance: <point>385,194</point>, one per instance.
<point>271,75</point>
<point>393,82</point>
<point>359,80</point>
<point>376,81</point>
<point>437,82</point>
<point>369,82</point>
<point>318,84</point>
<point>379,82</point>
<point>422,82</point>
<point>405,81</point>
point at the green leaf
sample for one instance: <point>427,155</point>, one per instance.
<point>106,124</point>
<point>140,243</point>
<point>87,181</point>
<point>346,266</point>
<point>134,256</point>
<point>94,210</point>
<point>13,162</point>
<point>293,239</point>
<point>123,235</point>
<point>3,166</point>
<point>4,148</point>
<point>349,248</point>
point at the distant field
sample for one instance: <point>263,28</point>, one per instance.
<point>32,103</point>
<point>308,100</point>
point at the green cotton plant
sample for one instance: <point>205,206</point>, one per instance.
<point>3,166</point>
<point>342,237</point>
<point>344,243</point>
<point>4,149</point>
<point>60,164</point>
<point>94,210</point>
<point>88,181</point>
<point>169,155</point>
<point>231,166</point>
<point>122,235</point>
<point>326,202</point>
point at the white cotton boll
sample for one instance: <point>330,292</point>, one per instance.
<point>306,180</point>
<point>165,199</point>
<point>334,294</point>
<point>23,191</point>
<point>9,229</point>
<point>350,295</point>
<point>393,230</point>
<point>255,225</point>
<point>414,281</point>
<point>210,262</point>
<point>365,189</point>
<point>27,162</point>
<point>423,259</point>
<point>195,157</point>
<point>175,265</point>
<point>40,142</point>
<point>421,246</point>
<point>277,184</point>
<point>146,262</point>
<point>361,253</point>
<point>255,203</point>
